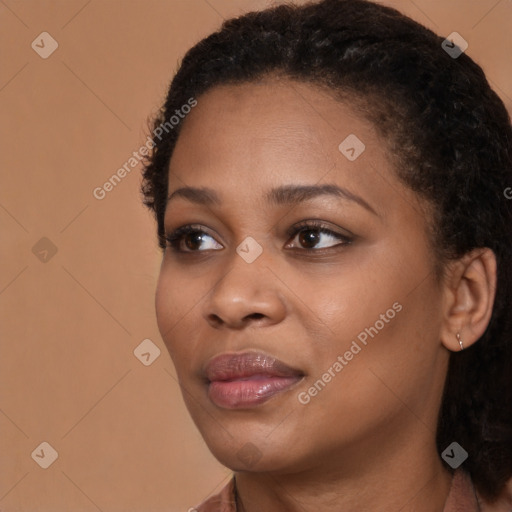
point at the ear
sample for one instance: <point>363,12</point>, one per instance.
<point>469,291</point>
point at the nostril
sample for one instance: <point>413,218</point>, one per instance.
<point>256,316</point>
<point>215,319</point>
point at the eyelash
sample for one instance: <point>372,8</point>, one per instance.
<point>174,239</point>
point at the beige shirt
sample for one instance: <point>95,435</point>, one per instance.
<point>461,498</point>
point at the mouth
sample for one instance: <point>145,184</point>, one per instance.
<point>246,380</point>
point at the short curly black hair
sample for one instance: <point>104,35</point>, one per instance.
<point>451,139</point>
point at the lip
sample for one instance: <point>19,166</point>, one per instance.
<point>245,380</point>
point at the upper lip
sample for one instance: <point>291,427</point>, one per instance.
<point>231,366</point>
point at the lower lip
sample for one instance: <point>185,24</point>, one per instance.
<point>250,392</point>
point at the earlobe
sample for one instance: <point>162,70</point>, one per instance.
<point>470,288</point>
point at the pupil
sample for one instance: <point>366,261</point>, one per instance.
<point>196,239</point>
<point>312,239</point>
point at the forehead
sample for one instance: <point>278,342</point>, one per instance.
<point>274,128</point>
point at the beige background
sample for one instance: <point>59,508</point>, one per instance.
<point>70,324</point>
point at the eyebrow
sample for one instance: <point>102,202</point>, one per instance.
<point>284,195</point>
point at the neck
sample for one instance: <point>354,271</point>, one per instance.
<point>409,478</point>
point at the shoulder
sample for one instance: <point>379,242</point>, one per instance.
<point>462,497</point>
<point>224,501</point>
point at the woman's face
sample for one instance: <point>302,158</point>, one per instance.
<point>354,312</point>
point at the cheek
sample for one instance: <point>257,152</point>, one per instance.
<point>399,358</point>
<point>164,305</point>
<point>172,305</point>
<point>356,302</point>
<point>385,317</point>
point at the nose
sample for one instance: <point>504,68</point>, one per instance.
<point>249,293</point>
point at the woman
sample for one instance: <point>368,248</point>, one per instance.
<point>367,365</point>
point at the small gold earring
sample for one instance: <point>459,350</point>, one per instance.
<point>460,342</point>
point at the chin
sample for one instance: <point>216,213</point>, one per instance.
<point>251,449</point>
<point>250,457</point>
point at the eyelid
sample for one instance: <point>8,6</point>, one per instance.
<point>319,225</point>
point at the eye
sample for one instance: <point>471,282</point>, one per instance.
<point>192,235</point>
<point>312,233</point>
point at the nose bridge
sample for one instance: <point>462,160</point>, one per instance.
<point>247,290</point>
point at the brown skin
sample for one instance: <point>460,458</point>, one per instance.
<point>367,440</point>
